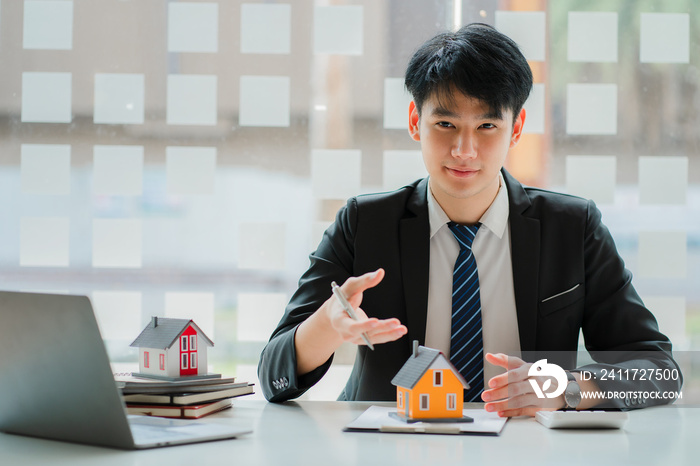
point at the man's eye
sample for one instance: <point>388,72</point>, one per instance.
<point>488,126</point>
<point>445,124</point>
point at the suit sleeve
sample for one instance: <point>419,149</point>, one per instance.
<point>620,333</point>
<point>332,261</point>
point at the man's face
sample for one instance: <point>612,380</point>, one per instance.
<point>464,147</point>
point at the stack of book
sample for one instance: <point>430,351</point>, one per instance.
<point>189,398</point>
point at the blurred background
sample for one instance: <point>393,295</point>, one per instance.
<point>182,159</point>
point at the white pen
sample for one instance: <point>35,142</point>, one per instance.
<point>348,309</point>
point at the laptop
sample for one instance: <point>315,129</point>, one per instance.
<point>56,381</point>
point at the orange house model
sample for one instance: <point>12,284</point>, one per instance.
<point>429,388</point>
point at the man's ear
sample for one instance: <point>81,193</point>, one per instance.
<point>413,121</point>
<point>517,128</point>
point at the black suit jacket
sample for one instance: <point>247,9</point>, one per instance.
<point>557,243</point>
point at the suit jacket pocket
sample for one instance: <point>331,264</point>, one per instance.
<point>561,300</point>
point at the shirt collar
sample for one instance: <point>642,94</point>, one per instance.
<point>494,219</point>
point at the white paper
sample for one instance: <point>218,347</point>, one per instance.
<point>193,27</point>
<point>258,315</point>
<point>535,110</point>
<point>44,242</point>
<point>118,314</point>
<point>196,306</point>
<point>663,180</point>
<point>591,109</point>
<point>335,174</point>
<point>119,98</point>
<point>45,169</point>
<point>396,100</point>
<point>191,99</point>
<point>592,36</point>
<point>663,254</point>
<point>266,28</point>
<point>48,25</point>
<point>264,101</point>
<point>262,246</point>
<point>118,170</point>
<point>116,243</point>
<point>664,38</point>
<point>338,29</point>
<point>592,177</point>
<point>377,417</point>
<point>190,170</point>
<point>402,167</point>
<point>46,97</point>
<point>670,312</point>
<point>527,29</point>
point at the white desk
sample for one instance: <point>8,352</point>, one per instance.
<point>310,433</point>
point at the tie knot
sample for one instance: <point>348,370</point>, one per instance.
<point>464,233</point>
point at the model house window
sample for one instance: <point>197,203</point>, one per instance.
<point>424,402</point>
<point>193,360</point>
<point>400,399</point>
<point>183,343</point>
<point>193,342</point>
<point>184,360</point>
<point>451,401</point>
<point>437,378</point>
<point>162,361</point>
<point>145,359</point>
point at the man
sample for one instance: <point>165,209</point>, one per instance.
<point>545,266</point>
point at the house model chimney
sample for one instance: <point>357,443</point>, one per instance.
<point>154,321</point>
<point>415,348</point>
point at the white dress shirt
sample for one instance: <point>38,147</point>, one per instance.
<point>491,248</point>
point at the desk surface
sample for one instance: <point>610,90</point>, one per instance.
<point>310,433</point>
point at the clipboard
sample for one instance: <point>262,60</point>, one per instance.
<point>378,419</point>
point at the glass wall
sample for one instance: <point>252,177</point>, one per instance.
<point>182,159</point>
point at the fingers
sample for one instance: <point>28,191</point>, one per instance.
<point>356,285</point>
<point>382,331</point>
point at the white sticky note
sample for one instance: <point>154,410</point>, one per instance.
<point>118,170</point>
<point>670,312</point>
<point>664,38</point>
<point>262,246</point>
<point>191,99</point>
<point>116,243</point>
<point>396,100</point>
<point>118,314</point>
<point>527,29</point>
<point>338,29</point>
<point>592,36</point>
<point>190,170</point>
<point>592,177</point>
<point>48,25</point>
<point>44,242</point>
<point>264,101</point>
<point>119,98</point>
<point>46,97</point>
<point>535,110</point>
<point>402,167</point>
<point>663,254</point>
<point>335,174</point>
<point>663,180</point>
<point>193,27</point>
<point>258,315</point>
<point>591,109</point>
<point>196,306</point>
<point>266,28</point>
<point>45,168</point>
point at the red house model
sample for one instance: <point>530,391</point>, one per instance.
<point>429,388</point>
<point>172,348</point>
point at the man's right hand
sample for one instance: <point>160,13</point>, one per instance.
<point>319,336</point>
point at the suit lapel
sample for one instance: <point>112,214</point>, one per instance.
<point>414,241</point>
<point>525,254</point>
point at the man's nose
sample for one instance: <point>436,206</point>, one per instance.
<point>464,146</point>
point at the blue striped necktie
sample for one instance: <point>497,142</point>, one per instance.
<point>466,343</point>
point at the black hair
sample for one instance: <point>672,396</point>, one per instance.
<point>477,61</point>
